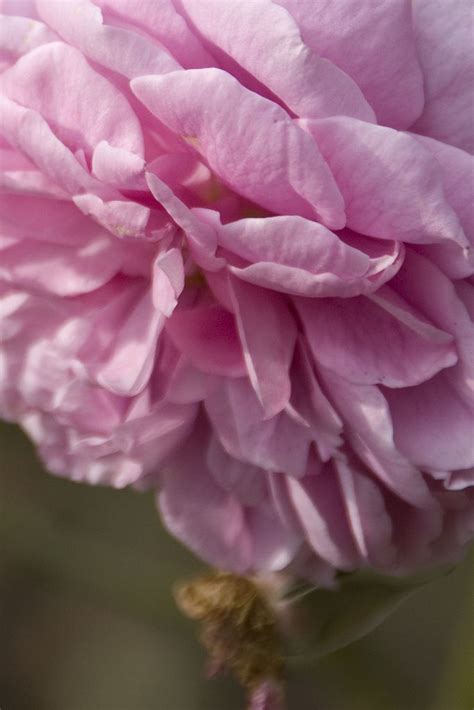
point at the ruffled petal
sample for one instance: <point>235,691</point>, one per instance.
<point>263,155</point>
<point>123,218</point>
<point>167,280</point>
<point>368,518</point>
<point>294,255</point>
<point>308,399</point>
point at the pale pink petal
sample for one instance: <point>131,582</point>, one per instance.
<point>264,40</point>
<point>27,131</point>
<point>245,481</point>
<point>19,35</point>
<point>80,23</point>
<point>276,444</point>
<point>264,157</point>
<point>458,179</point>
<point>443,35</point>
<point>201,513</point>
<point>122,218</point>
<point>184,383</point>
<point>207,335</point>
<point>128,367</point>
<point>30,182</point>
<point>118,167</point>
<point>46,220</point>
<point>368,517</point>
<point>268,334</point>
<point>379,171</point>
<point>202,238</point>
<point>318,505</point>
<point>369,429</point>
<point>273,545</point>
<point>457,174</point>
<point>375,341</point>
<point>309,401</point>
<point>168,280</point>
<point>373,43</point>
<point>161,20</point>
<point>434,295</point>
<point>81,106</point>
<point>433,425</point>
<point>292,255</point>
<point>21,8</point>
<point>460,480</point>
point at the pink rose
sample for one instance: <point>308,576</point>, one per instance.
<point>235,267</point>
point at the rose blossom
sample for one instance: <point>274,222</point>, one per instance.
<point>235,267</point>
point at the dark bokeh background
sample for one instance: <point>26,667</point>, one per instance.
<point>87,619</point>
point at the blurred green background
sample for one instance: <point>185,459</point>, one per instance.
<point>88,622</point>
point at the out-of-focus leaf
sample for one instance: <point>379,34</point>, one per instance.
<point>321,621</point>
<point>456,687</point>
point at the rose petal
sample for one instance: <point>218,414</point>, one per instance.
<point>263,157</point>
<point>378,171</point>
<point>374,44</point>
<point>442,37</point>
<point>264,39</point>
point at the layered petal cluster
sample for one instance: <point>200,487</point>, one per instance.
<point>235,267</point>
